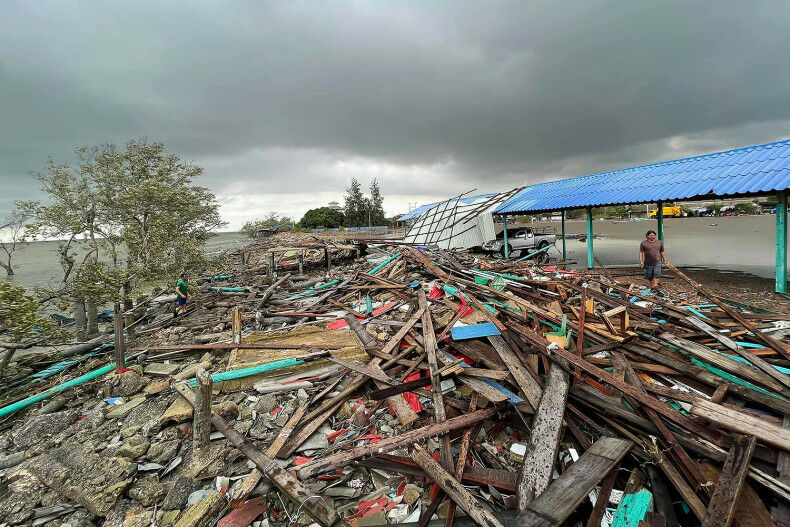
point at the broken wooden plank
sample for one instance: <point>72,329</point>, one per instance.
<point>429,343</point>
<point>562,497</point>
<point>320,509</point>
<point>480,513</point>
<point>529,386</point>
<point>544,439</point>
<point>743,422</point>
<point>725,496</point>
<point>391,443</point>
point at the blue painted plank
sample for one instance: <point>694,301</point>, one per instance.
<point>487,329</point>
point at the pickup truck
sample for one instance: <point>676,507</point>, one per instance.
<point>520,240</point>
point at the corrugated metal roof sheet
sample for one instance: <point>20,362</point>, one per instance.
<point>759,168</point>
<point>419,211</point>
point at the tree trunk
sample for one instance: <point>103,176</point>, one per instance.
<point>7,266</point>
<point>93,323</point>
<point>79,320</point>
<point>6,360</point>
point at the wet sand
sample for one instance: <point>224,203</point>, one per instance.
<point>737,243</point>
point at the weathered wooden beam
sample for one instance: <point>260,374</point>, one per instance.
<point>751,357</point>
<point>721,509</point>
<point>603,499</point>
<point>201,422</point>
<point>743,422</point>
<point>744,371</point>
<point>392,443</point>
<point>320,509</point>
<point>481,514</point>
<point>529,386</point>
<point>544,439</point>
<point>238,493</point>
<point>768,341</point>
<point>460,465</point>
<point>120,345</point>
<point>429,343</point>
<point>562,497</point>
<point>659,406</point>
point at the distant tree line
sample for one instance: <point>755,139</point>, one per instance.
<point>359,211</point>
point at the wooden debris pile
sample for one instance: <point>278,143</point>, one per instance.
<point>391,384</point>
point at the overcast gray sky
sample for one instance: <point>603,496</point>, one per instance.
<point>283,102</point>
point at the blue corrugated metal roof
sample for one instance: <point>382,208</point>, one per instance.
<point>759,168</point>
<point>419,211</point>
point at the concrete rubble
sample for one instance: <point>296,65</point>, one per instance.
<point>369,382</point>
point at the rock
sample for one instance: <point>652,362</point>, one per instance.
<point>75,472</point>
<point>135,447</point>
<point>301,394</point>
<point>179,492</point>
<point>377,518</point>
<point>411,493</point>
<point>202,513</point>
<point>40,427</point>
<point>55,404</point>
<point>158,386</point>
<point>266,403</point>
<point>163,451</point>
<point>189,371</point>
<point>160,368</point>
<point>125,384</point>
<point>169,518</point>
<point>117,412</point>
<point>21,497</point>
<point>147,490</point>
<point>11,460</point>
<point>148,415</point>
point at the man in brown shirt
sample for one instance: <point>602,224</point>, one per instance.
<point>651,252</point>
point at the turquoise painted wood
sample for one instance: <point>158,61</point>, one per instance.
<point>564,251</point>
<point>504,231</point>
<point>590,257</point>
<point>254,370</point>
<point>633,509</point>
<point>781,243</point>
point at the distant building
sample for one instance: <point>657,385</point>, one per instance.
<point>334,205</point>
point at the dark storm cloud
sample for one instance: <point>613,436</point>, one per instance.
<point>432,98</point>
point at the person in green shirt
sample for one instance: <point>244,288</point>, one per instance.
<point>182,293</point>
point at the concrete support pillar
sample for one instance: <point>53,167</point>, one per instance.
<point>504,233</point>
<point>201,421</point>
<point>564,252</point>
<point>781,242</point>
<point>590,256</point>
<point>660,220</point>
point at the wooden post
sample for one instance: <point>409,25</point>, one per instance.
<point>721,509</point>
<point>301,262</point>
<point>781,243</point>
<point>201,425</point>
<point>120,345</point>
<point>236,325</point>
<point>479,512</point>
<point>544,439</point>
<point>564,252</point>
<point>590,255</point>
<point>273,266</point>
<point>328,259</point>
